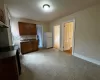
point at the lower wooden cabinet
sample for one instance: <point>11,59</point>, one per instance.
<point>34,45</point>
<point>9,69</point>
<point>29,46</point>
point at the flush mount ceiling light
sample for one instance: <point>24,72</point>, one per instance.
<point>46,7</point>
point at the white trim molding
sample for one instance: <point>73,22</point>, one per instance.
<point>87,59</point>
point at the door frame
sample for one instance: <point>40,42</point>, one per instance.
<point>73,41</point>
<point>59,35</point>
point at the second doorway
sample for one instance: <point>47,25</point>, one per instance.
<point>68,37</point>
<point>57,37</point>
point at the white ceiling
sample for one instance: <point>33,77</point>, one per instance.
<point>32,9</point>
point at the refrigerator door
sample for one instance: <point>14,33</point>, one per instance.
<point>48,34</point>
<point>49,42</point>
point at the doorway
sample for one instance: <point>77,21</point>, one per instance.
<point>40,35</point>
<point>57,37</point>
<point>68,37</point>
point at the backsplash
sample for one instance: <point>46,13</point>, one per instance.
<point>27,37</point>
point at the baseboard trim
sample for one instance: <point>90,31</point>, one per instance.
<point>87,59</point>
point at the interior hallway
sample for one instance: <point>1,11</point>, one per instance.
<point>55,65</point>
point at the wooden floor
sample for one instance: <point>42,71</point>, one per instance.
<point>69,51</point>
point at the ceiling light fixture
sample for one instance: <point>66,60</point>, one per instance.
<point>46,7</point>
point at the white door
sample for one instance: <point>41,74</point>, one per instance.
<point>68,35</point>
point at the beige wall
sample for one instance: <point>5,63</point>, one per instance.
<point>87,32</point>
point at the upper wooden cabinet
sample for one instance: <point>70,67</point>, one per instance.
<point>32,29</point>
<point>27,28</point>
<point>2,18</point>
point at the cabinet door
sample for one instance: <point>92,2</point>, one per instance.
<point>8,69</point>
<point>27,29</point>
<point>26,47</point>
<point>32,29</point>
<point>22,28</point>
<point>2,18</point>
<point>35,45</point>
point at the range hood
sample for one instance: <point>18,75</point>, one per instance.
<point>2,25</point>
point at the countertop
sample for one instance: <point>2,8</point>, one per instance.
<point>7,54</point>
<point>9,51</point>
<point>29,40</point>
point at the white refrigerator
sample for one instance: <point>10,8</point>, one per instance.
<point>48,40</point>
